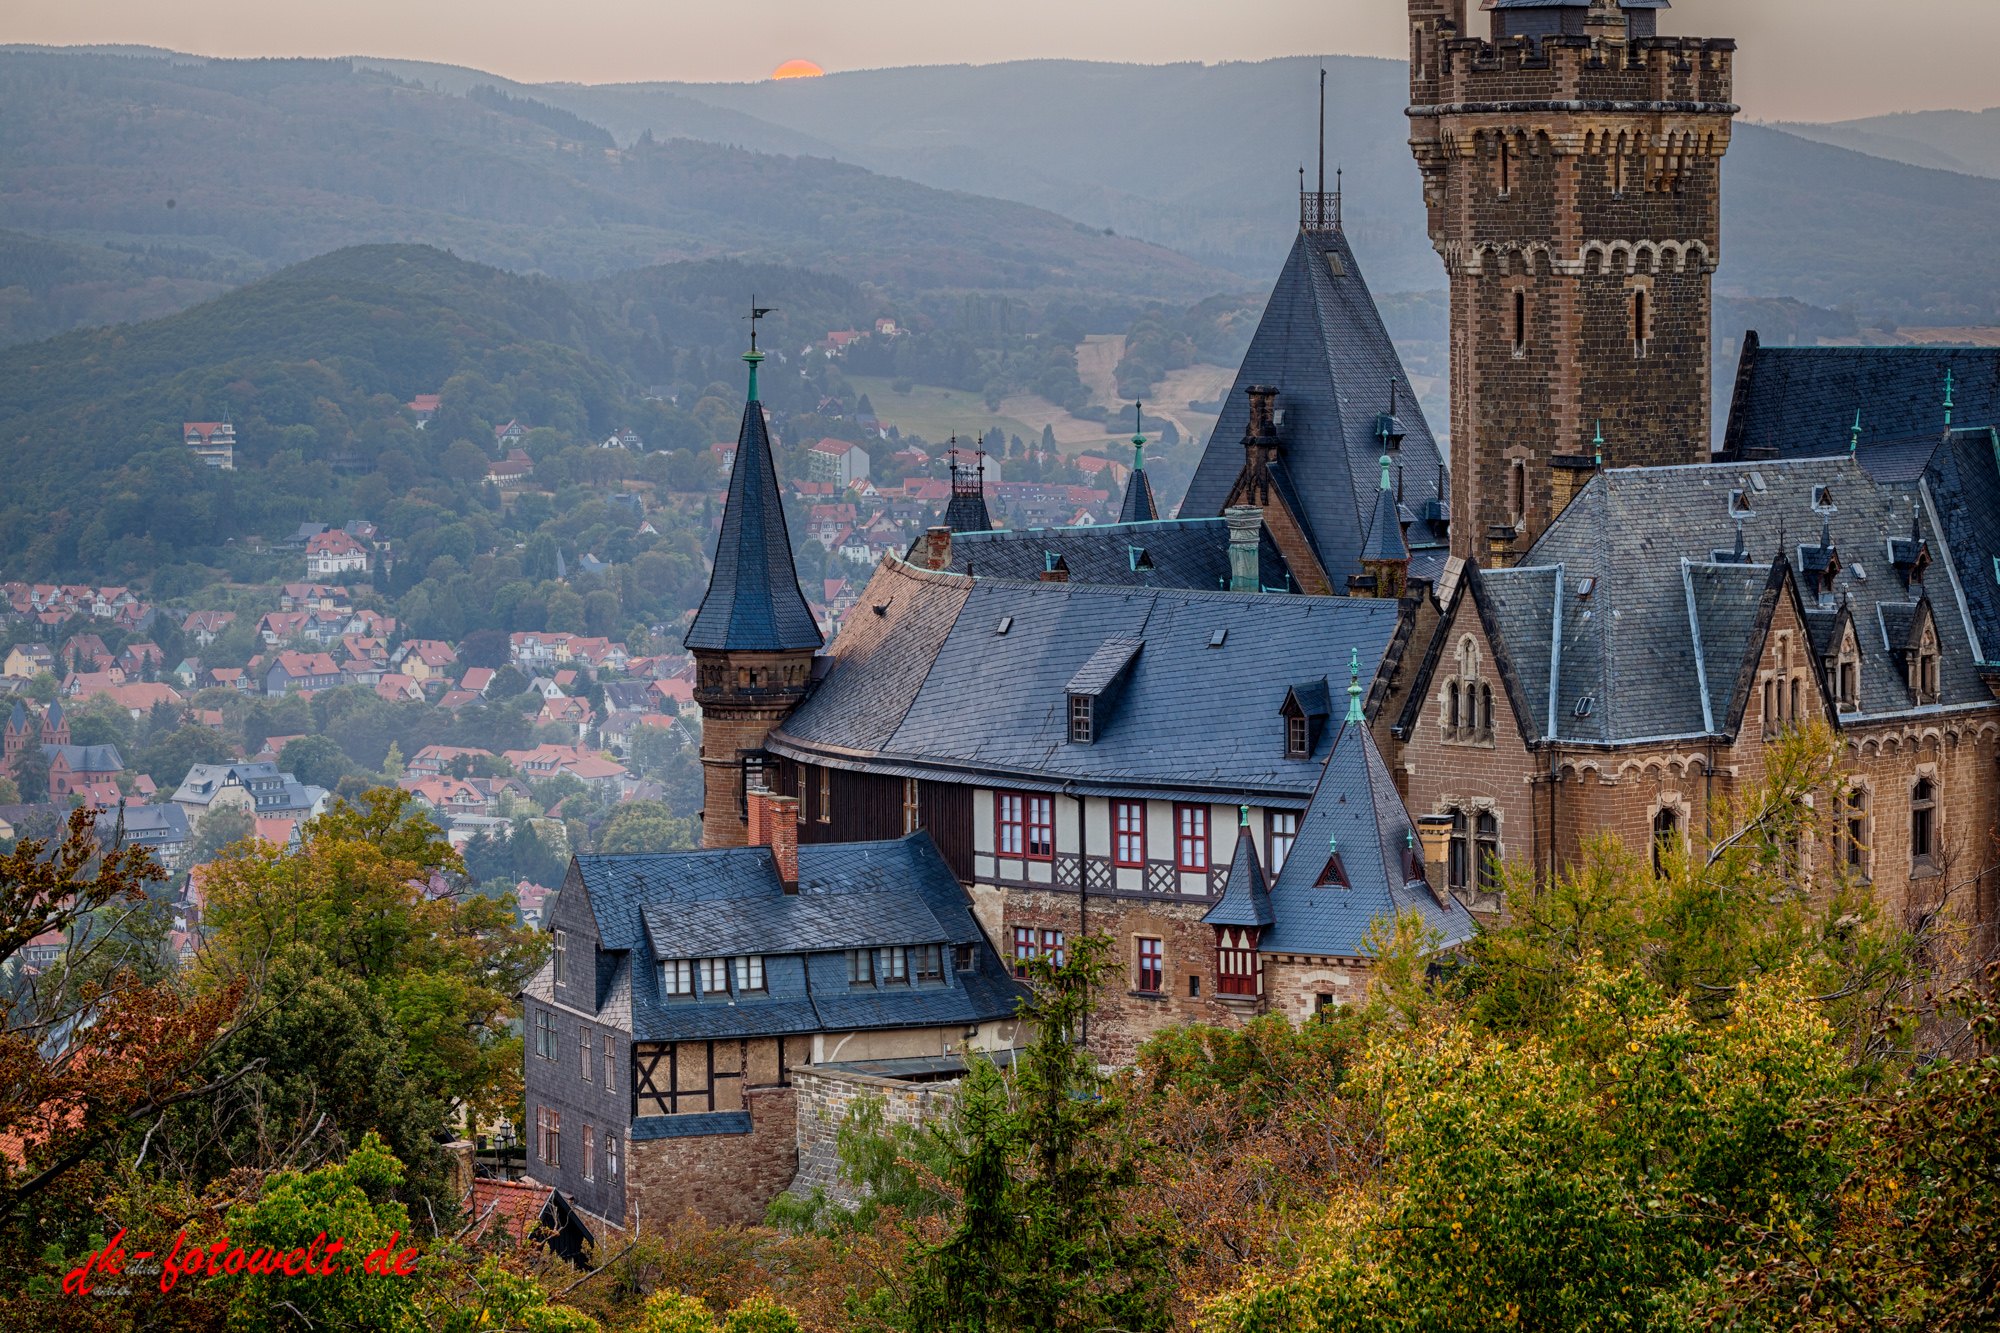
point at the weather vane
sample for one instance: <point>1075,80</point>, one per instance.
<point>757,312</point>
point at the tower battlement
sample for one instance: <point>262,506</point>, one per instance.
<point>1569,70</point>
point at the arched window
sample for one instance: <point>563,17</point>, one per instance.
<point>1666,832</point>
<point>1486,710</point>
<point>1517,489</point>
<point>1451,706</point>
<point>1857,831</point>
<point>1797,697</point>
<point>1487,848</point>
<point>1457,863</point>
<point>1923,821</point>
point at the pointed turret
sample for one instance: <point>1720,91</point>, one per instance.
<point>17,736</point>
<point>966,511</point>
<point>754,637</point>
<point>1246,902</point>
<point>55,726</point>
<point>1385,555</point>
<point>1139,506</point>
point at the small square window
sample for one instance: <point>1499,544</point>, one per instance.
<point>1081,718</point>
<point>962,957</point>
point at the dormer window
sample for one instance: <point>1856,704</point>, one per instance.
<point>1082,719</point>
<point>714,976</point>
<point>750,973</point>
<point>677,977</point>
<point>1305,712</point>
<point>1298,738</point>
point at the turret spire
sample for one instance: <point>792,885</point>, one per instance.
<point>1139,506</point>
<point>1354,689</point>
<point>753,599</point>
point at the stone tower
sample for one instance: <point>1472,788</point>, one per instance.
<point>754,638</point>
<point>1572,161</point>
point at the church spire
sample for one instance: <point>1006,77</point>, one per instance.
<point>1139,506</point>
<point>753,599</point>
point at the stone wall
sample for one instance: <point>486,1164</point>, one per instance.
<point>825,1096</point>
<point>726,1179</point>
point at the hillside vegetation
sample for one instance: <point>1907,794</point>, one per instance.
<point>283,159</point>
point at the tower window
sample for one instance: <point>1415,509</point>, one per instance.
<point>1520,321</point>
<point>1458,861</point>
<point>1639,322</point>
<point>1857,831</point>
<point>1506,172</point>
<point>1666,828</point>
<point>1487,846</point>
<point>1923,821</point>
<point>1517,490</point>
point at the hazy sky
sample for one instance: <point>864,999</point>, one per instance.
<point>1801,59</point>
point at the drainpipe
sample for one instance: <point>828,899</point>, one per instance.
<point>1082,881</point>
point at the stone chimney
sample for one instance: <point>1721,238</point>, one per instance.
<point>774,823</point>
<point>1246,528</point>
<point>1434,833</point>
<point>1261,431</point>
<point>936,550</point>
<point>1055,569</point>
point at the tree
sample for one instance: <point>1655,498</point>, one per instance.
<point>315,760</point>
<point>392,762</point>
<point>484,648</point>
<point>646,826</point>
<point>42,687</point>
<point>508,682</point>
<point>222,827</point>
<point>130,1051</point>
<point>465,461</point>
<point>1042,1240</point>
<point>31,766</point>
<point>378,893</point>
<point>170,756</point>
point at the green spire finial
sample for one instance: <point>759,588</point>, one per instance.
<point>1854,444</point>
<point>1599,442</point>
<point>1333,845</point>
<point>1354,688</point>
<point>1243,820</point>
<point>753,356</point>
<point>1947,395</point>
<point>1138,437</point>
<point>1385,472</point>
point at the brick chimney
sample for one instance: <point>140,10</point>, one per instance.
<point>774,823</point>
<point>937,548</point>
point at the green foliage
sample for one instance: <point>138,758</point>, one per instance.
<point>890,1166</point>
<point>669,1311</point>
<point>760,1314</point>
<point>646,826</point>
<point>168,757</point>
<point>221,827</point>
<point>315,761</point>
<point>1042,1240</point>
<point>353,1199</point>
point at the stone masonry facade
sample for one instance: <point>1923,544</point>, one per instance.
<point>826,1096</point>
<point>727,1179</point>
<point>1573,186</point>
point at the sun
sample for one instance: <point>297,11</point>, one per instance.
<point>797,69</point>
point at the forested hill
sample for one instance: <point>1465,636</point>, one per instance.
<point>314,365</point>
<point>268,162</point>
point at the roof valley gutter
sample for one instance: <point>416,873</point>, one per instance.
<point>1555,652</point>
<point>1700,666</point>
<point>1950,568</point>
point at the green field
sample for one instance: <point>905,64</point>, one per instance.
<point>935,413</point>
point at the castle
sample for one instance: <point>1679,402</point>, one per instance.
<point>1350,677</point>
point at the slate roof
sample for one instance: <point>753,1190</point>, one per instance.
<point>1356,804</point>
<point>1247,899</point>
<point>753,598</point>
<point>1963,483</point>
<point>87,758</point>
<point>729,902</point>
<point>1660,648</point>
<point>1801,401</point>
<point>1182,553</point>
<point>898,698</point>
<point>1321,343</point>
<point>1139,505</point>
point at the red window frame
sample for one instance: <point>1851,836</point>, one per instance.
<point>1052,947</point>
<point>1152,965</point>
<point>1025,951</point>
<point>1041,827</point>
<point>1236,962</point>
<point>1191,838</point>
<point>1010,834</point>
<point>1128,833</point>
